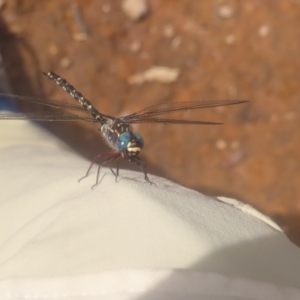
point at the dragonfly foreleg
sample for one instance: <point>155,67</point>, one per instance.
<point>142,164</point>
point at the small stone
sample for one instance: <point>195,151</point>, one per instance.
<point>65,62</point>
<point>221,144</point>
<point>230,39</point>
<point>135,46</point>
<point>135,9</point>
<point>15,29</point>
<point>155,73</point>
<point>289,116</point>
<point>264,30</point>
<point>53,50</point>
<point>168,30</point>
<point>249,7</point>
<point>80,36</point>
<point>225,11</point>
<point>176,42</point>
<point>106,8</point>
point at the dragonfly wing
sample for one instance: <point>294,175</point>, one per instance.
<point>45,102</point>
<point>173,121</point>
<point>164,108</point>
<point>43,116</point>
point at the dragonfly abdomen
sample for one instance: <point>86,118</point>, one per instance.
<point>75,94</point>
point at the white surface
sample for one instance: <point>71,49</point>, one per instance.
<point>57,234</point>
<point>146,284</point>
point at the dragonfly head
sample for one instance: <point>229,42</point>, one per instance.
<point>130,144</point>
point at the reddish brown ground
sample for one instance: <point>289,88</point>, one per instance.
<point>253,54</point>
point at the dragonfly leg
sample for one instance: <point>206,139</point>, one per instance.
<point>118,167</point>
<point>110,156</point>
<point>108,161</point>
<point>89,169</point>
<point>97,178</point>
<point>142,164</point>
<point>115,173</point>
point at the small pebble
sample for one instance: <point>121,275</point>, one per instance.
<point>249,7</point>
<point>135,9</point>
<point>176,42</point>
<point>106,8</point>
<point>15,29</point>
<point>232,91</point>
<point>230,39</point>
<point>264,30</point>
<point>65,62</point>
<point>168,30</point>
<point>80,36</point>
<point>234,159</point>
<point>135,46</point>
<point>53,50</point>
<point>225,11</point>
<point>155,73</point>
<point>289,116</point>
<point>221,144</point>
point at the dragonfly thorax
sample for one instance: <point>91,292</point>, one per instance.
<point>120,136</point>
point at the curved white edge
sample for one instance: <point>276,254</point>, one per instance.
<point>249,210</point>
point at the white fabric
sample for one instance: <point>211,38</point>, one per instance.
<point>60,239</point>
<point>145,284</point>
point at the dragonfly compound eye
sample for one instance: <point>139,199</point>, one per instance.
<point>130,142</point>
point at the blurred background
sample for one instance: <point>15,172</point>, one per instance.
<point>212,50</point>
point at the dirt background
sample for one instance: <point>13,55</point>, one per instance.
<point>223,49</point>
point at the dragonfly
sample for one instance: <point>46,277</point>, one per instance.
<point>118,132</point>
